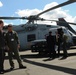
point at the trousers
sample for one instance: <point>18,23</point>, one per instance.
<point>14,52</point>
<point>1,59</point>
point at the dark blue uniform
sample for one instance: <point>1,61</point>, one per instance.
<point>51,45</point>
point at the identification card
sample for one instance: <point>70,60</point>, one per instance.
<point>12,39</point>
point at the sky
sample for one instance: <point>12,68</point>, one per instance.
<point>24,8</point>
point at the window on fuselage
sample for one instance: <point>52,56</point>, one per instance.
<point>31,37</point>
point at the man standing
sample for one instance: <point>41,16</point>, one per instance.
<point>51,45</point>
<point>64,44</point>
<point>2,47</point>
<point>60,34</point>
<point>13,47</point>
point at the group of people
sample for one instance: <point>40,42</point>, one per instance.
<point>59,39</point>
<point>9,41</point>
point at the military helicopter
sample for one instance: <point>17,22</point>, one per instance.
<point>30,31</point>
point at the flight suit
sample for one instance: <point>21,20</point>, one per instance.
<point>64,44</point>
<point>12,42</point>
<point>2,49</point>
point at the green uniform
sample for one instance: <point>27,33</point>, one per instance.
<point>65,39</point>
<point>12,42</point>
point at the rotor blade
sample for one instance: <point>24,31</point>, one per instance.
<point>60,5</point>
<point>58,21</point>
<point>67,22</point>
<point>12,18</point>
<point>71,23</point>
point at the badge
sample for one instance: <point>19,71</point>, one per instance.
<point>12,39</point>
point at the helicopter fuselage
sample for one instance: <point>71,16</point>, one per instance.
<point>28,33</point>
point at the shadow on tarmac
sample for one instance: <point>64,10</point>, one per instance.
<point>54,67</point>
<point>9,70</point>
<point>44,55</point>
<point>41,55</point>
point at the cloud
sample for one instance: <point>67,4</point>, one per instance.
<point>27,12</point>
<point>1,4</point>
<point>5,23</point>
<point>75,19</point>
<point>50,5</point>
<point>52,15</point>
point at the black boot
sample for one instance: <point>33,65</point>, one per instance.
<point>21,66</point>
<point>12,67</point>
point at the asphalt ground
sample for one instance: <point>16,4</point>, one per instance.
<point>43,65</point>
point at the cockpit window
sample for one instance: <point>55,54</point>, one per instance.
<point>48,25</point>
<point>31,37</point>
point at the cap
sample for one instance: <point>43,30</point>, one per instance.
<point>9,25</point>
<point>50,32</point>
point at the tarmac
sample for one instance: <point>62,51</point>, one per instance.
<point>43,65</point>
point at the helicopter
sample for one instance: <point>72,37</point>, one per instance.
<point>30,31</point>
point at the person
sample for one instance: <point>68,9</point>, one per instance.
<point>64,44</point>
<point>2,47</point>
<point>56,41</point>
<point>59,30</point>
<point>51,45</point>
<point>13,47</point>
